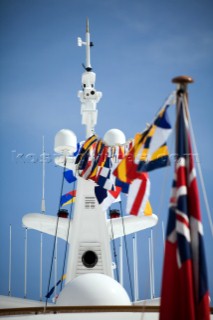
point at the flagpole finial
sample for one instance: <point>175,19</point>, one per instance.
<point>182,83</point>
<point>183,79</point>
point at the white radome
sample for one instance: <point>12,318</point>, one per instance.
<point>65,142</point>
<point>93,289</point>
<point>114,137</point>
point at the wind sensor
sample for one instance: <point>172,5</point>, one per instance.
<point>88,96</point>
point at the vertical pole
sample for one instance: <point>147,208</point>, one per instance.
<point>10,262</point>
<point>56,267</point>
<point>152,265</point>
<point>163,235</point>
<point>121,260</point>
<point>25,264</point>
<point>41,264</point>
<point>135,262</point>
<point>182,84</point>
<point>88,65</point>
<point>43,209</point>
<point>181,91</point>
<point>43,178</point>
<point>150,270</point>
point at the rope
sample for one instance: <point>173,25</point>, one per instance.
<point>56,230</point>
<point>68,232</point>
<point>114,250</point>
<point>127,252</point>
<point>165,181</point>
<point>200,173</point>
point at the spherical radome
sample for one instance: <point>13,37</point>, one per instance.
<point>65,142</point>
<point>93,289</point>
<point>114,137</point>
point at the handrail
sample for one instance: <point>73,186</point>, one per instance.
<point>80,309</point>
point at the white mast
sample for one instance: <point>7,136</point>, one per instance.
<point>10,262</point>
<point>56,268</point>
<point>135,266</point>
<point>152,265</point>
<point>25,264</point>
<point>88,96</point>
<point>41,264</point>
<point>89,238</point>
<point>43,209</point>
<point>121,260</point>
<point>150,270</point>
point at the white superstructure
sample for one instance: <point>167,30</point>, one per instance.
<point>90,232</point>
<point>89,272</point>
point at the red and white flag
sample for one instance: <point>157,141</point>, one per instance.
<point>138,195</point>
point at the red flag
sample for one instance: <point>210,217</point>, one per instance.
<point>138,195</point>
<point>184,293</point>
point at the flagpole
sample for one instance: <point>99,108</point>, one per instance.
<point>43,209</point>
<point>25,265</point>
<point>182,85</point>
<point>10,262</point>
<point>43,179</point>
<point>121,260</point>
<point>150,269</point>
<point>184,243</point>
<point>135,262</point>
<point>56,267</point>
<point>41,264</point>
<point>152,264</point>
<point>163,235</point>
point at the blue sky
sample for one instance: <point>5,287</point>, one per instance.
<point>139,47</point>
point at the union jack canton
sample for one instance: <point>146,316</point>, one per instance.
<point>184,286</point>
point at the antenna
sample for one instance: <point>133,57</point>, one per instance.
<point>88,44</point>
<point>88,64</point>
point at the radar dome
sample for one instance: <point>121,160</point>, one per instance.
<point>93,289</point>
<point>65,142</point>
<point>114,137</point>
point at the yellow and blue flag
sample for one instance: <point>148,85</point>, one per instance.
<point>149,150</point>
<point>85,147</point>
<point>48,295</point>
<point>68,198</point>
<point>154,152</point>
